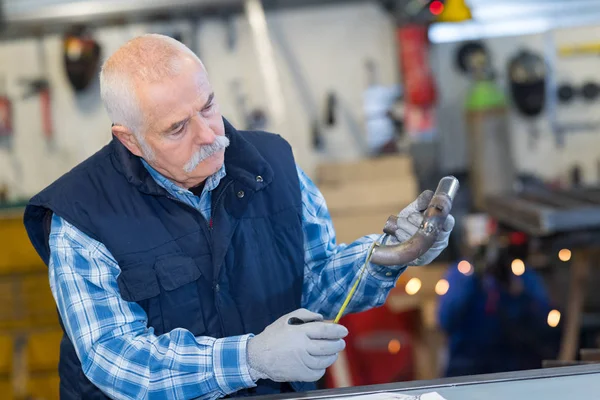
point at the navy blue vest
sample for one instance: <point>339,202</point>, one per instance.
<point>234,277</point>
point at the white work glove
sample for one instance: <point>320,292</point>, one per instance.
<point>409,221</point>
<point>295,353</point>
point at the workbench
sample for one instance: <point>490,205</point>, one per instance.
<point>563,218</point>
<point>576,382</point>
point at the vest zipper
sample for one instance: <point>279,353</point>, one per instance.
<point>215,277</point>
<point>215,204</point>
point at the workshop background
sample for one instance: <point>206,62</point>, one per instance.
<point>379,99</point>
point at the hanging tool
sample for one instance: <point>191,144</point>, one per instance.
<point>6,128</point>
<point>403,253</point>
<point>7,137</point>
<point>527,82</point>
<point>81,57</point>
<point>41,86</point>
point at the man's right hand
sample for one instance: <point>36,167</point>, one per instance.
<point>285,352</point>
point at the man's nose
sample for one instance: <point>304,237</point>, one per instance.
<point>201,128</point>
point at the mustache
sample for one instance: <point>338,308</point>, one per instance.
<point>220,143</point>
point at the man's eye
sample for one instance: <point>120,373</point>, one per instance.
<point>179,131</point>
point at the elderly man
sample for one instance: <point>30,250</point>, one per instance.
<point>180,252</point>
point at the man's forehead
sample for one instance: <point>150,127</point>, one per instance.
<point>166,102</point>
<point>162,118</point>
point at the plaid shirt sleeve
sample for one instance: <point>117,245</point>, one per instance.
<point>330,269</point>
<point>118,352</point>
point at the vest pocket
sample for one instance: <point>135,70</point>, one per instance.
<point>138,283</point>
<point>179,298</point>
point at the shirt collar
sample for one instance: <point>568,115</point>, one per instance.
<point>211,182</point>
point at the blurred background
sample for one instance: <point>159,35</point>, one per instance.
<point>379,99</point>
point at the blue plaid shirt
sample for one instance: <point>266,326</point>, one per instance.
<point>123,357</point>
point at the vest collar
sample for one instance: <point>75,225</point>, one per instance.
<point>243,163</point>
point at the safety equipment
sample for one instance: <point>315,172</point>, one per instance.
<point>418,82</point>
<point>81,58</point>
<point>298,347</point>
<point>527,76</point>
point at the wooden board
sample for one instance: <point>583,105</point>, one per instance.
<point>349,227</point>
<point>43,350</point>
<point>376,196</point>
<point>17,255</point>
<point>380,168</point>
<point>6,354</point>
<point>44,388</point>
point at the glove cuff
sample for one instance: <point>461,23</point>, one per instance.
<point>254,362</point>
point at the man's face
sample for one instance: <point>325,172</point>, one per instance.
<point>183,132</point>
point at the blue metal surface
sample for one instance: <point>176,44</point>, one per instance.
<point>576,382</point>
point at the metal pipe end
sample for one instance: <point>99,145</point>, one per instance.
<point>391,225</point>
<point>448,185</point>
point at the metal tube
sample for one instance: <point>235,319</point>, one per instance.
<point>434,218</point>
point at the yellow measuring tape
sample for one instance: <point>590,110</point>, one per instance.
<point>360,275</point>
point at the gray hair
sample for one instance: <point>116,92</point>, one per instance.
<point>148,58</point>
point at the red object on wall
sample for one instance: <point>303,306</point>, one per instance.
<point>418,82</point>
<point>6,128</point>
<point>46,113</point>
<point>379,348</point>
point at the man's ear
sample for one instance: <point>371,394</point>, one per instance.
<point>127,138</point>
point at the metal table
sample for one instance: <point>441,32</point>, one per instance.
<point>544,212</point>
<point>577,382</point>
<point>569,218</point>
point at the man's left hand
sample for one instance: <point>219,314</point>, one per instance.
<point>409,221</point>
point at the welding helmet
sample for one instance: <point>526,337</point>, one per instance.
<point>81,54</point>
<point>527,77</point>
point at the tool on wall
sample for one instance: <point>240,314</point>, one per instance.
<point>527,81</point>
<point>331,109</point>
<point>567,92</point>
<point>81,56</point>
<point>7,138</point>
<point>6,124</point>
<point>40,86</point>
